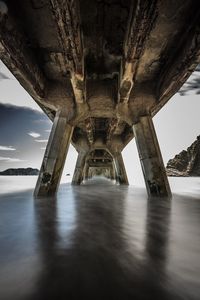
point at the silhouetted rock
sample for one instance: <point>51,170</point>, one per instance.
<point>20,171</point>
<point>187,162</point>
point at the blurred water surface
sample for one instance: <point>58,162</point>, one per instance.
<point>99,241</point>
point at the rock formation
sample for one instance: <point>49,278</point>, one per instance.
<point>187,162</point>
<point>20,171</point>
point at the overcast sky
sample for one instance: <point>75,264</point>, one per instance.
<point>24,128</point>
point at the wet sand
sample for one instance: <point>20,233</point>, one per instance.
<point>99,241</point>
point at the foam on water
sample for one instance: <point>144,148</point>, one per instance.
<point>12,184</point>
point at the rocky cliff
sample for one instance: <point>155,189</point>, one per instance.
<point>187,162</point>
<point>20,171</point>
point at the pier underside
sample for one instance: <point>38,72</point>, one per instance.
<point>101,70</point>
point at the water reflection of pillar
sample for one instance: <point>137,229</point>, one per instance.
<point>87,264</point>
<point>157,238</point>
<point>92,258</point>
<point>46,240</point>
<point>46,221</point>
<point>99,243</point>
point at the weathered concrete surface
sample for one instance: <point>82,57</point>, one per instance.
<point>150,157</point>
<point>54,157</point>
<point>98,162</point>
<point>121,175</point>
<point>66,54</point>
<point>79,169</point>
<point>86,171</point>
<point>112,172</point>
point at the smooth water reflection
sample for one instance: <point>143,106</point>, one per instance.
<point>99,241</point>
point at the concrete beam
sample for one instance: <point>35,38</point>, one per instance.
<point>143,14</point>
<point>18,57</point>
<point>54,157</point>
<point>79,169</point>
<point>181,62</point>
<point>120,169</point>
<point>100,165</point>
<point>67,17</point>
<point>151,159</point>
<point>112,127</point>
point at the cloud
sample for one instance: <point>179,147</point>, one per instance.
<point>42,121</point>
<point>43,148</point>
<point>34,134</point>
<point>48,130</point>
<point>7,148</point>
<point>12,92</point>
<point>10,159</point>
<point>41,141</point>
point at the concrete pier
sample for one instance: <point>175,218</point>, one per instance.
<point>67,56</point>
<point>86,171</point>
<point>79,169</point>
<point>54,157</point>
<point>112,172</point>
<point>120,169</point>
<point>151,159</point>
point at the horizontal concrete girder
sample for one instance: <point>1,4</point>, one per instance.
<point>67,18</point>
<point>19,59</point>
<point>142,16</point>
<point>182,62</point>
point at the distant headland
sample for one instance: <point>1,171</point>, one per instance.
<point>20,172</point>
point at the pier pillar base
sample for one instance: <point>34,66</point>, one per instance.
<point>121,175</point>
<point>112,172</point>
<point>86,171</point>
<point>54,157</point>
<point>79,169</point>
<point>151,159</point>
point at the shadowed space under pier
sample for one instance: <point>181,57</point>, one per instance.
<point>103,242</point>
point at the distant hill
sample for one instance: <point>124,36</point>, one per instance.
<point>20,171</point>
<point>187,162</point>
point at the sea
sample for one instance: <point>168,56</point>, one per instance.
<point>183,186</point>
<point>99,241</point>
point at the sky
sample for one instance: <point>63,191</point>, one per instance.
<point>24,128</point>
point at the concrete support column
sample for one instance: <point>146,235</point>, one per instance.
<point>55,155</point>
<point>86,171</point>
<point>120,169</point>
<point>112,172</point>
<point>151,159</point>
<point>79,169</point>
